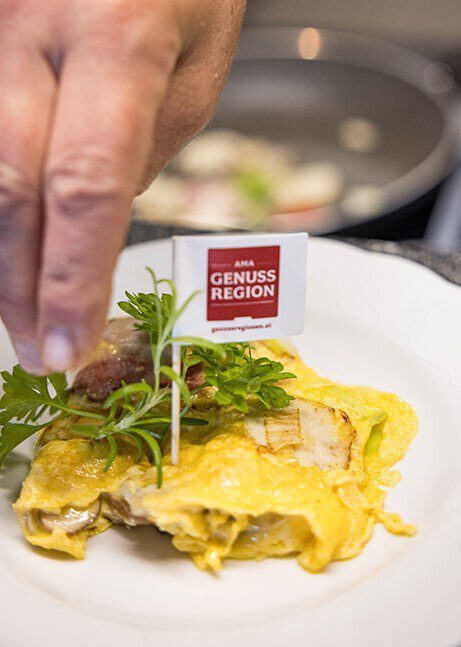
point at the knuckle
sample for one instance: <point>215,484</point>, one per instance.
<point>13,298</point>
<point>17,196</point>
<point>79,183</point>
<point>137,32</point>
<point>59,285</point>
<point>74,281</point>
<point>67,274</point>
<point>64,276</point>
<point>16,307</point>
<point>161,52</point>
<point>164,54</point>
<point>75,308</point>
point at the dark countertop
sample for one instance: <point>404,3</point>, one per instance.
<point>447,265</point>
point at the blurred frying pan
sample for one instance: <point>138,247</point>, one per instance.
<point>383,114</point>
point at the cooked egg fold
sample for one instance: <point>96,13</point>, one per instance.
<point>307,481</point>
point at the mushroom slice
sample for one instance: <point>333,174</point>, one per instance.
<point>319,435</point>
<point>327,436</point>
<point>282,428</point>
<point>72,520</point>
<point>117,509</point>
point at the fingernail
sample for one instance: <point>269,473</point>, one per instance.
<point>28,353</point>
<point>58,349</point>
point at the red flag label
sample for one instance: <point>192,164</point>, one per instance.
<point>243,282</point>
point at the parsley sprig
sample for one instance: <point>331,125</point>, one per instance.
<point>27,398</point>
<point>237,377</point>
<point>141,411</point>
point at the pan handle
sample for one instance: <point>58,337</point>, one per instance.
<point>444,229</point>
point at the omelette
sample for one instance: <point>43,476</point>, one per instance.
<point>308,481</point>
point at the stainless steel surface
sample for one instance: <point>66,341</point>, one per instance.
<point>297,85</point>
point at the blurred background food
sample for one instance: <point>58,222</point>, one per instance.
<point>226,179</point>
<point>349,128</point>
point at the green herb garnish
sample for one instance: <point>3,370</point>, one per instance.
<point>256,188</point>
<point>237,376</point>
<point>141,411</point>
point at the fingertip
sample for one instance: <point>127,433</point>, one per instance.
<point>68,337</point>
<point>58,349</point>
<point>28,352</point>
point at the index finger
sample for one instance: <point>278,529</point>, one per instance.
<point>101,139</point>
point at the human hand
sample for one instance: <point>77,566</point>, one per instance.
<point>97,95</point>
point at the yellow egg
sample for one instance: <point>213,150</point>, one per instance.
<point>308,481</point>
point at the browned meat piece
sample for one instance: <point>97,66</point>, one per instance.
<point>123,355</point>
<point>194,376</point>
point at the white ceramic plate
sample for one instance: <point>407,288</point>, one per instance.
<point>372,319</point>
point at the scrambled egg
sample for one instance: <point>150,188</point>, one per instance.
<point>306,481</point>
